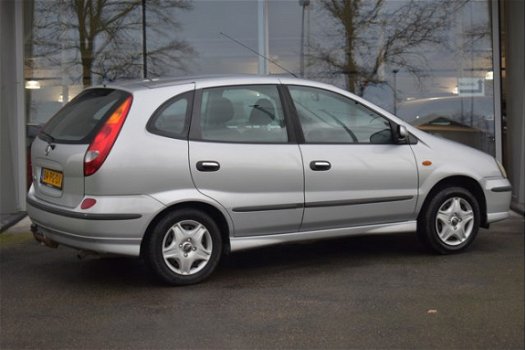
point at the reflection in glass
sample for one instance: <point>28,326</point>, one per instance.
<point>441,51</point>
<point>412,57</point>
<point>75,44</point>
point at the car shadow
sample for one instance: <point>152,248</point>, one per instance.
<point>297,257</point>
<point>354,250</point>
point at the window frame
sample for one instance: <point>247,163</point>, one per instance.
<point>150,126</point>
<point>195,125</point>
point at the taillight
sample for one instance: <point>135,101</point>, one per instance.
<point>103,142</point>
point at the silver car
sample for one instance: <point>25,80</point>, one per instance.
<point>183,171</point>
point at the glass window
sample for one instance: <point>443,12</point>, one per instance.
<point>441,73</point>
<point>171,119</point>
<point>251,114</point>
<point>327,117</point>
<point>80,118</point>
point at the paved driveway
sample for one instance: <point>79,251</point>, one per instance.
<point>366,292</point>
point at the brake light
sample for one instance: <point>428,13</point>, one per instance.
<point>101,145</point>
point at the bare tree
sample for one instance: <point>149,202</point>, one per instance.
<point>373,34</point>
<point>104,36</point>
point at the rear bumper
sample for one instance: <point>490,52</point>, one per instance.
<point>115,225</point>
<point>498,198</point>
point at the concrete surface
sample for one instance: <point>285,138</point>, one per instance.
<point>366,292</point>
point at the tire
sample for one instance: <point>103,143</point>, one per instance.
<point>183,248</point>
<point>449,223</point>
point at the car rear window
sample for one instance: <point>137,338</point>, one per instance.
<point>80,119</point>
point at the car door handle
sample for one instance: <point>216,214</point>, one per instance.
<point>207,165</point>
<point>320,165</point>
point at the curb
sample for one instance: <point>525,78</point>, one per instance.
<point>12,220</point>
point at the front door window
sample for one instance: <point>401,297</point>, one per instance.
<point>327,117</point>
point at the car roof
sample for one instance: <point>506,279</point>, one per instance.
<point>134,85</point>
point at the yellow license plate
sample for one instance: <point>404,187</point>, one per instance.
<point>51,178</point>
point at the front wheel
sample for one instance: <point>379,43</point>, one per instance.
<point>183,248</point>
<point>450,221</point>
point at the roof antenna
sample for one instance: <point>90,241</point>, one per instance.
<point>257,53</point>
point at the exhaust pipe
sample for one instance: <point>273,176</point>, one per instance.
<point>41,238</point>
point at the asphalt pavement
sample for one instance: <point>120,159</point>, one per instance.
<point>361,292</point>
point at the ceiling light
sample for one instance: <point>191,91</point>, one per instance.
<point>32,85</point>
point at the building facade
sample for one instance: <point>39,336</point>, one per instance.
<point>453,68</point>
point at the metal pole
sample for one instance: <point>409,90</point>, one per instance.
<point>497,92</point>
<point>302,45</point>
<point>303,4</point>
<point>263,37</point>
<point>394,90</point>
<point>144,52</point>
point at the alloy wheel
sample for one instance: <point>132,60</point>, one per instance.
<point>454,221</point>
<point>187,247</point>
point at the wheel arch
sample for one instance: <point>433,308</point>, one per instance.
<point>209,209</point>
<point>465,182</point>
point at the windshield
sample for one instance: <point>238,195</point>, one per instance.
<point>80,119</point>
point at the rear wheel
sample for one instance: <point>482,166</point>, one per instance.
<point>450,221</point>
<point>183,248</point>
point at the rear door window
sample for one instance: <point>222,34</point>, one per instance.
<point>245,114</point>
<point>79,120</point>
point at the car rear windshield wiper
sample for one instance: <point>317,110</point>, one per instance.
<point>47,137</point>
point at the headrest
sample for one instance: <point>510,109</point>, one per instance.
<point>220,110</point>
<point>263,112</point>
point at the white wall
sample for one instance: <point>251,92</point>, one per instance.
<point>12,123</point>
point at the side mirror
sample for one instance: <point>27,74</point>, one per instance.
<point>402,133</point>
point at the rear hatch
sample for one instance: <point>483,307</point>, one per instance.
<point>59,151</point>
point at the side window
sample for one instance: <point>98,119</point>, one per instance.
<point>327,117</point>
<point>250,114</point>
<point>171,119</point>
